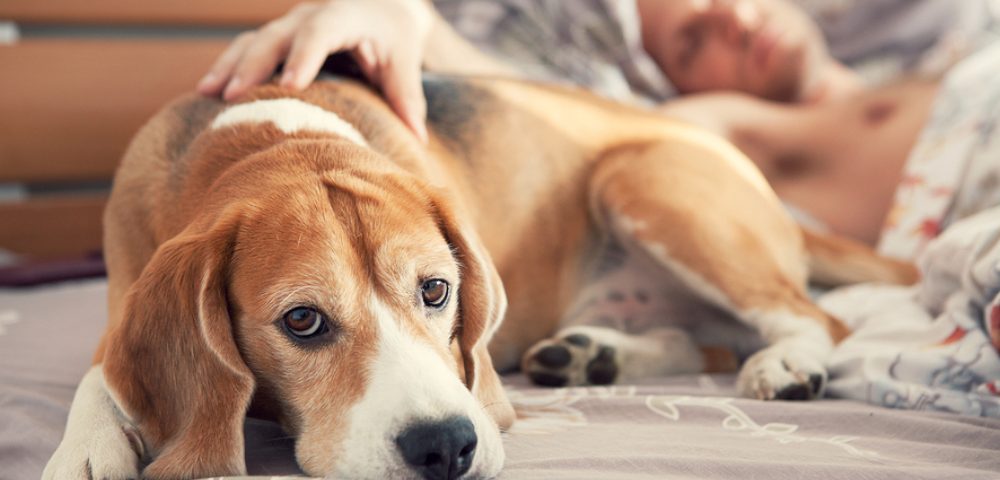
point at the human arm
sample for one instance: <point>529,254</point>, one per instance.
<point>769,133</point>
<point>390,39</point>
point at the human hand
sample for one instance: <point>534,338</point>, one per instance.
<point>386,37</point>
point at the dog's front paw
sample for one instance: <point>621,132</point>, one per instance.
<point>111,453</point>
<point>783,373</point>
<point>574,358</point>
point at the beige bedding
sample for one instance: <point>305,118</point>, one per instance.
<point>683,427</point>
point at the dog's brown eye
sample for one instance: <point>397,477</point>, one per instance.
<point>435,293</point>
<point>305,322</point>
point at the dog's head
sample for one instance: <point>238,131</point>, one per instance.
<point>354,304</point>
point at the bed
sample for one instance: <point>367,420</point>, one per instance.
<point>683,427</point>
<point>52,193</point>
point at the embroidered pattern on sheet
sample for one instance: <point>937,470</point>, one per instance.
<point>8,317</point>
<point>738,421</point>
<point>548,411</point>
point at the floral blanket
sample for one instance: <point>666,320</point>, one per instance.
<point>954,169</point>
<point>935,346</point>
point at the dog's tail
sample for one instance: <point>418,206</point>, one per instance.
<point>835,261</point>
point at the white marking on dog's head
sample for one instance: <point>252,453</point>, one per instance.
<point>290,115</point>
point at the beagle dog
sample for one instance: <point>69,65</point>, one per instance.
<point>300,256</point>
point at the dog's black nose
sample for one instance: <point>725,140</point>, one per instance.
<point>440,450</point>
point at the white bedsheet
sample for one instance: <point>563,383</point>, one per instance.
<point>933,346</point>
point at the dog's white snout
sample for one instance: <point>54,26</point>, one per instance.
<point>416,418</point>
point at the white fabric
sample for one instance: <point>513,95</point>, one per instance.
<point>933,346</point>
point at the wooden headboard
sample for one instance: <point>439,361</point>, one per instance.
<point>76,84</point>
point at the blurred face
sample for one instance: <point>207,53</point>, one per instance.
<point>767,48</point>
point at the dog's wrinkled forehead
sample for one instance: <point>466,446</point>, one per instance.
<point>345,232</point>
<point>339,219</point>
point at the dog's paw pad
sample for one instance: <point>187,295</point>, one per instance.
<point>571,360</point>
<point>546,379</point>
<point>796,391</point>
<point>817,383</point>
<point>782,375</point>
<point>577,339</point>
<point>603,369</point>
<point>554,356</point>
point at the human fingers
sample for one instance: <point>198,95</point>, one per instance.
<point>269,47</point>
<point>317,38</point>
<point>364,55</point>
<point>222,70</point>
<point>402,88</point>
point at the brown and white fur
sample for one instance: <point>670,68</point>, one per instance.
<point>628,245</point>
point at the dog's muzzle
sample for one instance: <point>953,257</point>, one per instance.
<point>440,450</point>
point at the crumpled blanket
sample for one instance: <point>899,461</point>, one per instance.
<point>933,346</point>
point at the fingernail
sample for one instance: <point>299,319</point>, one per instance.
<point>417,121</point>
<point>206,81</point>
<point>288,78</point>
<point>233,86</point>
<point>421,130</point>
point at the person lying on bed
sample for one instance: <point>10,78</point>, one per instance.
<point>770,49</point>
<point>892,166</point>
<point>624,49</point>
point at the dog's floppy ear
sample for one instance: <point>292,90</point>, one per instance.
<point>482,304</point>
<point>173,364</point>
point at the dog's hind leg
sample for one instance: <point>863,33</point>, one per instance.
<point>619,328</point>
<point>593,355</point>
<point>700,215</point>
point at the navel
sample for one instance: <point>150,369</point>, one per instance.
<point>876,113</point>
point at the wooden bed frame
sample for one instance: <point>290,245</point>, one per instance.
<point>76,86</point>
